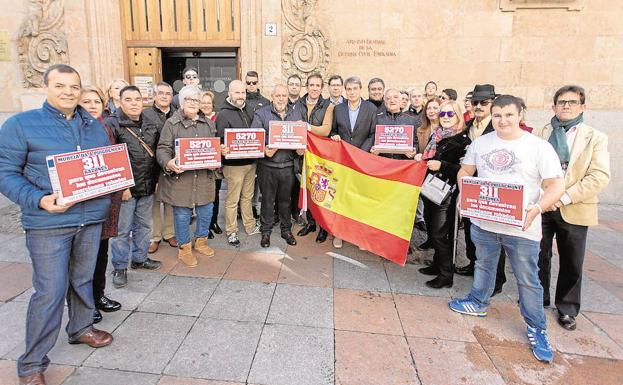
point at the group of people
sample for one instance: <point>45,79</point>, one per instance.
<point>563,167</point>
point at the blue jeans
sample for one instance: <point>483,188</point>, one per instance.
<point>524,256</point>
<point>63,261</point>
<point>134,217</point>
<point>181,220</point>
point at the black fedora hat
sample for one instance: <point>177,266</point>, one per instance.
<point>483,92</point>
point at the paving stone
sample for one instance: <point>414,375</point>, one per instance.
<point>314,270</point>
<point>612,324</point>
<point>372,359</point>
<point>366,311</point>
<point>14,250</point>
<point>302,306</point>
<point>503,325</point>
<point>139,286</point>
<point>95,376</point>
<point>408,280</point>
<point>240,301</point>
<point>54,375</point>
<point>180,295</point>
<point>214,267</point>
<point>278,245</point>
<point>597,299</point>
<point>12,326</point>
<point>169,380</point>
<point>360,276</point>
<point>16,278</point>
<point>441,362</point>
<point>145,342</point>
<point>217,349</point>
<point>290,355</point>
<point>592,370</point>
<point>259,267</point>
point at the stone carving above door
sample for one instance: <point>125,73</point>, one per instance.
<point>41,43</point>
<point>306,49</point>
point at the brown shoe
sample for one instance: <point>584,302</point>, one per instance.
<point>33,379</point>
<point>153,247</point>
<point>172,242</point>
<point>185,254</point>
<point>95,338</point>
<point>201,245</point>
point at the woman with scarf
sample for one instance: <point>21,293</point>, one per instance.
<point>443,155</point>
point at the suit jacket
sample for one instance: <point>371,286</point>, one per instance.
<point>588,173</point>
<point>362,136</point>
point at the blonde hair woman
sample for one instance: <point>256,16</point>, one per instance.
<point>113,100</point>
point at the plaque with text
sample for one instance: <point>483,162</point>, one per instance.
<point>198,153</point>
<point>287,135</point>
<point>245,143</point>
<point>82,175</point>
<point>493,201</point>
<point>395,139</point>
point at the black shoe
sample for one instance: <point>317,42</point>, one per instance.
<point>546,303</point>
<point>265,242</point>
<point>496,291</point>
<point>420,225</point>
<point>566,321</point>
<point>106,304</point>
<point>149,264</point>
<point>467,270</point>
<point>426,245</point>
<point>97,316</point>
<point>308,228</point>
<point>120,278</point>
<point>290,240</point>
<point>322,236</point>
<point>439,283</point>
<point>215,227</point>
<point>210,234</point>
<point>430,270</point>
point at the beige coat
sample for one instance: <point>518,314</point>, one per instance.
<point>588,173</point>
<point>190,188</point>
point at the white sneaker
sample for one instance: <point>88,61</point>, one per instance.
<point>233,239</point>
<point>337,243</point>
<point>256,230</point>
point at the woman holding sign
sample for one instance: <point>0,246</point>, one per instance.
<point>443,155</point>
<point>186,188</point>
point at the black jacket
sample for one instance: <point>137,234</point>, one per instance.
<point>416,115</point>
<point>362,135</point>
<point>470,123</point>
<point>449,152</point>
<point>402,119</point>
<point>317,113</point>
<point>144,166</point>
<point>255,101</point>
<point>231,116</point>
<point>154,115</point>
<point>262,119</point>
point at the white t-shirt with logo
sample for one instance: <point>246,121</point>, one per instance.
<point>526,160</point>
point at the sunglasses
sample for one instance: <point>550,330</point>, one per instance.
<point>450,114</point>
<point>190,77</point>
<point>483,103</point>
<point>252,83</point>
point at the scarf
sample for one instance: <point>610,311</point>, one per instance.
<point>438,136</point>
<point>558,138</point>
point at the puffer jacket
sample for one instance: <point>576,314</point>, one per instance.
<point>144,166</point>
<point>401,119</point>
<point>191,187</point>
<point>26,139</point>
<point>262,119</point>
<point>255,101</point>
<point>231,116</point>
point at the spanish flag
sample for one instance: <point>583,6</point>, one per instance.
<point>364,199</point>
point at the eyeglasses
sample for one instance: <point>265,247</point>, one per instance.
<point>192,100</point>
<point>252,83</point>
<point>161,93</point>
<point>190,77</point>
<point>571,103</point>
<point>450,114</point>
<point>483,103</point>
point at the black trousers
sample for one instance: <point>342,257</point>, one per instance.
<point>440,221</point>
<point>99,275</point>
<point>276,186</point>
<point>470,251</point>
<point>216,201</point>
<point>571,243</point>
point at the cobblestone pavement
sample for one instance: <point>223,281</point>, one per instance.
<point>296,315</point>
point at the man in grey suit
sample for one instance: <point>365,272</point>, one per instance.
<point>354,122</point>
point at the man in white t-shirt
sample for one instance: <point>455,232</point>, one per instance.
<point>512,155</point>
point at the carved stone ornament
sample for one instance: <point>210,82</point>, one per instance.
<point>41,43</point>
<point>306,48</point>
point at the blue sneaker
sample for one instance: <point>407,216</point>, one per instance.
<point>541,348</point>
<point>467,306</point>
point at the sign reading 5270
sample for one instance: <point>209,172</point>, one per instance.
<point>245,142</point>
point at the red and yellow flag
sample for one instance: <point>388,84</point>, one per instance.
<point>364,199</point>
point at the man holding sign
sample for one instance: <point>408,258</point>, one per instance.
<point>514,156</point>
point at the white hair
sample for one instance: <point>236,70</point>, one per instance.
<point>188,91</point>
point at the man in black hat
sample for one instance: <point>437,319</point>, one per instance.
<point>482,97</point>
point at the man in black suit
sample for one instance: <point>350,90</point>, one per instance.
<point>482,97</point>
<point>354,122</point>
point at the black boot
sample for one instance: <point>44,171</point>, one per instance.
<point>322,236</point>
<point>309,228</point>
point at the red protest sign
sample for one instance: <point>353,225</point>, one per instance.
<point>287,135</point>
<point>81,175</point>
<point>393,138</point>
<point>245,142</point>
<point>198,153</point>
<point>493,201</point>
